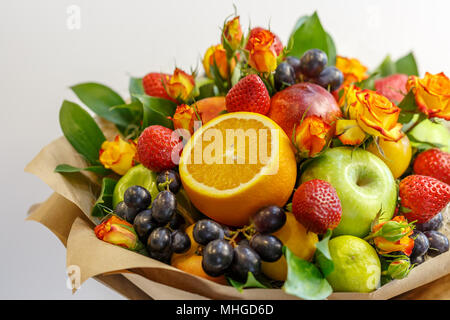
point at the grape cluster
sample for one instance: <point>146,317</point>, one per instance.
<point>428,240</point>
<point>238,252</point>
<point>312,67</point>
<point>159,226</point>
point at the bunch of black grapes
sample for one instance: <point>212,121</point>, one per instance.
<point>158,226</point>
<point>312,67</point>
<point>222,255</point>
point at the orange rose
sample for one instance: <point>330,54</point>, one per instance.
<point>184,118</point>
<point>352,70</point>
<point>432,94</point>
<point>371,113</point>
<point>118,232</point>
<point>263,50</point>
<point>180,85</point>
<point>216,55</point>
<point>399,230</point>
<point>117,155</point>
<point>232,32</point>
<point>311,136</point>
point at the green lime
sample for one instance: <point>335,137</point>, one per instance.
<point>356,265</point>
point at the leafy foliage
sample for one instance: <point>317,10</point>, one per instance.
<point>322,255</point>
<point>308,34</point>
<point>81,131</point>
<point>304,279</point>
<point>251,282</point>
<point>104,204</point>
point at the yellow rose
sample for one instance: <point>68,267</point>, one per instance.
<point>352,69</point>
<point>216,55</point>
<point>117,155</point>
<point>180,85</point>
<point>232,32</point>
<point>432,94</point>
<point>367,113</point>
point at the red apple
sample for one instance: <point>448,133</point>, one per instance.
<point>288,106</point>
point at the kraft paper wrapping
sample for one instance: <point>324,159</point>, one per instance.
<point>67,214</point>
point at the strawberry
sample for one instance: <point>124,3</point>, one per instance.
<point>249,94</point>
<point>154,83</point>
<point>392,87</point>
<point>316,206</point>
<point>422,197</point>
<point>155,147</point>
<point>433,163</point>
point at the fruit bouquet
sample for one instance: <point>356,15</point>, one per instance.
<point>281,171</point>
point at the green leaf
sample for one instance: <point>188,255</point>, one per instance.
<point>156,111</point>
<point>408,108</point>
<point>407,65</point>
<point>323,257</point>
<point>104,204</point>
<point>309,34</point>
<point>66,168</point>
<point>386,68</point>
<point>81,131</point>
<point>100,99</point>
<point>304,279</point>
<point>236,76</point>
<point>135,87</point>
<point>204,88</point>
<point>251,282</point>
<point>423,145</point>
<point>435,133</point>
<point>134,108</point>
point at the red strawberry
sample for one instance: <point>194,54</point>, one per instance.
<point>249,94</point>
<point>433,163</point>
<point>155,147</point>
<point>421,197</point>
<point>316,206</point>
<point>154,83</point>
<point>392,87</point>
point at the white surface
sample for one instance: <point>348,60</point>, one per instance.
<point>40,58</point>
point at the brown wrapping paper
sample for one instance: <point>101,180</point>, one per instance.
<point>67,214</point>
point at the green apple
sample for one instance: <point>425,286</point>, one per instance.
<point>364,185</point>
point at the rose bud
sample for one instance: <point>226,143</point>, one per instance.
<point>118,155</point>
<point>263,47</point>
<point>352,70</point>
<point>311,136</point>
<point>184,118</point>
<point>232,33</point>
<point>392,235</point>
<point>399,269</point>
<point>216,56</point>
<point>118,232</point>
<point>180,85</point>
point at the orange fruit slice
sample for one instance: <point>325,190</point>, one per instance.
<point>237,164</point>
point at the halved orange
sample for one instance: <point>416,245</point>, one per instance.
<point>237,164</point>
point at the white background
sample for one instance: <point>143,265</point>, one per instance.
<point>40,57</point>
